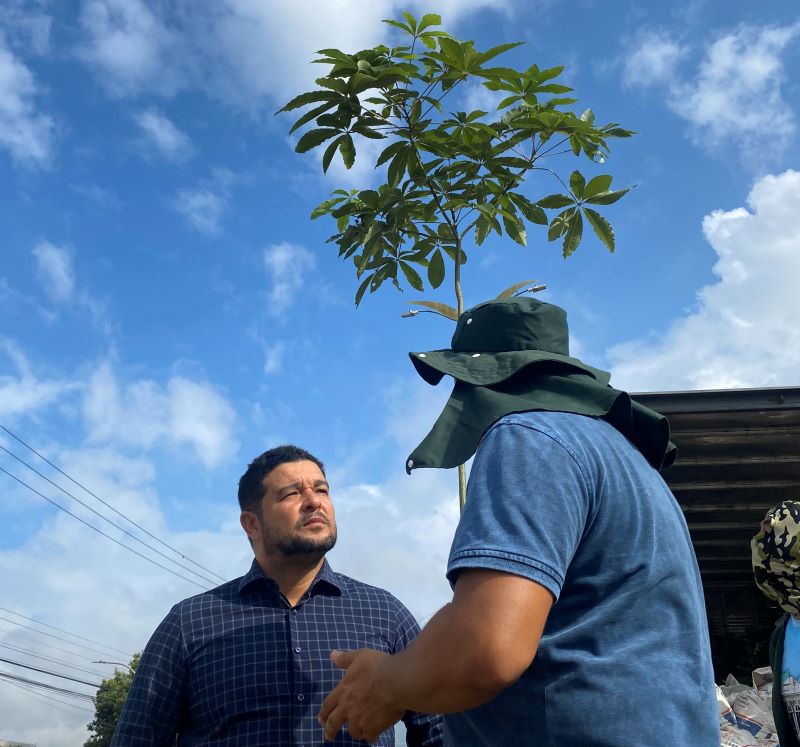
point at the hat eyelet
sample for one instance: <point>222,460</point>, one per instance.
<point>421,355</point>
<point>476,355</point>
<point>410,463</point>
<point>469,321</point>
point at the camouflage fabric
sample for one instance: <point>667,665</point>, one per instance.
<point>776,556</point>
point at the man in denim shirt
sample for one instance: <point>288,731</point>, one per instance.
<point>577,618</point>
<point>248,663</point>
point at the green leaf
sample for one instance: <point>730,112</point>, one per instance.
<point>348,150</point>
<point>327,157</point>
<point>436,269</point>
<point>429,19</point>
<point>482,227</point>
<point>363,288</point>
<point>596,186</point>
<point>451,252</point>
<point>309,115</point>
<point>366,132</point>
<point>454,52</point>
<point>574,234</point>
<point>508,292</point>
<point>325,207</point>
<point>414,280</point>
<point>498,50</point>
<point>532,212</point>
<point>389,151</point>
<point>397,168</point>
<point>440,308</point>
<point>516,230</point>
<point>412,22</point>
<point>608,198</point>
<point>601,227</point>
<point>399,25</point>
<point>309,98</point>
<point>313,138</point>
<point>555,201</point>
<point>577,183</point>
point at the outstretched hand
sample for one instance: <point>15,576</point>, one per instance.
<point>360,700</point>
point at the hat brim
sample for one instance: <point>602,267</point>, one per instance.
<point>490,369</point>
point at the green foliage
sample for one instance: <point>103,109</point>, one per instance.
<point>108,705</point>
<point>449,175</point>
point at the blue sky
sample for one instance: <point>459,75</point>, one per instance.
<point>168,310</point>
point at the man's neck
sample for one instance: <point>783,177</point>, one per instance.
<point>294,575</point>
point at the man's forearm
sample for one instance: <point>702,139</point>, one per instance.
<point>440,672</point>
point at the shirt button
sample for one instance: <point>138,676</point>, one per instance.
<point>297,649</point>
<point>301,697</point>
<point>294,611</point>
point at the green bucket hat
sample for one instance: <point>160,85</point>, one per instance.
<point>512,355</point>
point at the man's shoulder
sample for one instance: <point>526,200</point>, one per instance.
<point>209,599</point>
<point>353,587</point>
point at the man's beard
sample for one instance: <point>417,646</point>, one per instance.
<point>296,544</point>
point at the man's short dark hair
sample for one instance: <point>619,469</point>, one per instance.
<point>251,483</point>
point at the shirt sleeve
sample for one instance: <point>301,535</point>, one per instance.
<point>422,729</point>
<point>528,502</point>
<point>149,717</point>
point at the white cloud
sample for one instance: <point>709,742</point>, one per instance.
<point>101,197</point>
<point>144,414</point>
<point>288,266</point>
<point>203,206</point>
<point>273,358</point>
<point>744,331</point>
<point>24,392</point>
<point>653,60</point>
<point>26,25</point>
<point>160,132</point>
<point>130,47</point>
<point>54,266</point>
<point>735,96</point>
<point>230,48</point>
<point>25,133</point>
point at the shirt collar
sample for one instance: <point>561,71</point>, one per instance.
<point>326,580</point>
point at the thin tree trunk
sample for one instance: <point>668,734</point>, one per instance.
<point>462,470</point>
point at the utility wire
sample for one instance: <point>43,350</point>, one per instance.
<point>108,505</point>
<point>45,686</point>
<point>44,698</point>
<point>50,635</point>
<point>52,674</point>
<point>61,630</point>
<point>27,638</point>
<point>105,518</point>
<point>100,531</point>
<point>52,660</point>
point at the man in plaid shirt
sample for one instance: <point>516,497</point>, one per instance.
<point>248,663</point>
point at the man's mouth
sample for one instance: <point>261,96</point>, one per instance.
<point>315,520</point>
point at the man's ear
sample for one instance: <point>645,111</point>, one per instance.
<point>249,522</point>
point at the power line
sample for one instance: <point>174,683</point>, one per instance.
<point>108,505</point>
<point>45,686</point>
<point>52,674</point>
<point>50,635</point>
<point>100,531</point>
<point>61,630</point>
<point>51,659</point>
<point>44,698</point>
<point>36,642</point>
<point>105,518</point>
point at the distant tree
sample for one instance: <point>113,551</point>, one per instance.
<point>451,176</point>
<point>108,705</point>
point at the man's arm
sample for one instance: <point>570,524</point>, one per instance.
<point>149,717</point>
<point>472,649</point>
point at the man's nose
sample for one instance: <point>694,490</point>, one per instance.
<point>311,499</point>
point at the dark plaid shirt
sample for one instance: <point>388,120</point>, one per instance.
<point>239,666</point>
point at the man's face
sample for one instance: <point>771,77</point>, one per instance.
<point>295,516</point>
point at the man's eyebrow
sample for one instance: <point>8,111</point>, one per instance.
<point>298,485</point>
